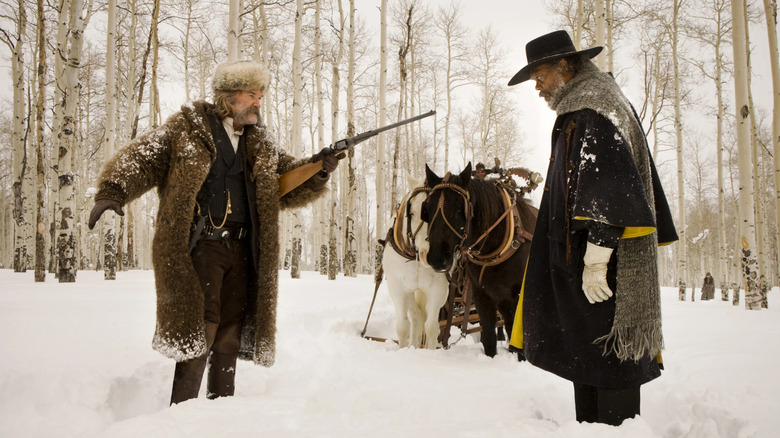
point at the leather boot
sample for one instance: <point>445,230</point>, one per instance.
<point>222,375</point>
<point>187,379</point>
<point>189,374</point>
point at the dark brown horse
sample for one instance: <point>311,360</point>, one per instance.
<point>474,226</point>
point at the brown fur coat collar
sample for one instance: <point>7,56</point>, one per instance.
<point>176,159</point>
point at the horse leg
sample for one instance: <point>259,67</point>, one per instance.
<point>507,309</point>
<point>500,334</point>
<point>430,304</point>
<point>402,324</point>
<point>486,309</point>
<point>416,316</point>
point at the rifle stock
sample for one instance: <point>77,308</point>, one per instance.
<point>299,175</point>
<point>292,179</point>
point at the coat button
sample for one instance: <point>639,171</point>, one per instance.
<point>552,159</point>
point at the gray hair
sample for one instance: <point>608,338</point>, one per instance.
<point>223,103</point>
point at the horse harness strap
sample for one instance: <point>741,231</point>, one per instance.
<point>403,244</point>
<point>514,233</point>
<point>467,209</point>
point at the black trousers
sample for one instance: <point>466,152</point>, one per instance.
<point>603,405</point>
<point>224,271</point>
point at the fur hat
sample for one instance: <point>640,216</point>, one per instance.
<point>240,75</point>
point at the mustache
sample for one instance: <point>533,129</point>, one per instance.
<point>251,110</point>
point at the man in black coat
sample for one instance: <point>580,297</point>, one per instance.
<point>590,307</point>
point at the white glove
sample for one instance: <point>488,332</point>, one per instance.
<point>594,276</point>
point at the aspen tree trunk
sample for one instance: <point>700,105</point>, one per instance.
<point>411,141</point>
<point>578,24</point>
<point>656,100</point>
<point>21,167</point>
<point>747,227</point>
<point>722,253</point>
<point>267,101</point>
<point>770,12</point>
<point>381,152</point>
<point>154,95</point>
<point>682,267</point>
<point>350,255</point>
<point>721,20</point>
<point>321,208</point>
<point>130,89</point>
<point>403,73</point>
<point>126,254</point>
<point>453,35</point>
<point>601,32</point>
<point>333,261</point>
<point>109,141</point>
<point>297,126</point>
<point>66,242</point>
<point>40,218</point>
<point>57,122</point>
<point>185,45</point>
<point>757,185</point>
<point>234,30</point>
<point>608,25</point>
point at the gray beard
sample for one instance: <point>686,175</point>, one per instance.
<point>554,92</point>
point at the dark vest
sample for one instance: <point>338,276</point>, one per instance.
<point>226,180</point>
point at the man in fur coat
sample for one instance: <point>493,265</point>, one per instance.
<point>590,306</point>
<point>215,248</point>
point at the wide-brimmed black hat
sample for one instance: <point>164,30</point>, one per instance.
<point>549,48</point>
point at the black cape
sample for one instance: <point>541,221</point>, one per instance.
<point>595,183</point>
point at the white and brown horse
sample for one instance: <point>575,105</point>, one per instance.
<point>417,291</point>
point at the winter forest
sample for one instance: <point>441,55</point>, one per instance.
<point>82,78</point>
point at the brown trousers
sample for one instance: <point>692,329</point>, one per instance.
<point>224,271</point>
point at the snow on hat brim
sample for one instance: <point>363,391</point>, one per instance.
<point>240,75</point>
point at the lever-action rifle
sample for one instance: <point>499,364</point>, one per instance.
<point>299,175</point>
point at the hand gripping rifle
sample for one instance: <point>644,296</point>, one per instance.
<point>292,179</point>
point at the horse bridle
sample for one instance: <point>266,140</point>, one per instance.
<point>511,242</point>
<point>467,209</point>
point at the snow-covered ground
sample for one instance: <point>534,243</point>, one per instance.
<point>77,362</point>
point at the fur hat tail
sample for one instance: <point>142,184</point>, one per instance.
<point>240,75</point>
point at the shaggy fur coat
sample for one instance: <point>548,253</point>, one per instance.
<point>175,159</point>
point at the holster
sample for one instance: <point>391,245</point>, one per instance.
<point>197,230</point>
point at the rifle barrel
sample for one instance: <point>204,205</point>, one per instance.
<point>368,134</point>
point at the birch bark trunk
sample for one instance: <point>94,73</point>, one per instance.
<point>109,141</point>
<point>770,12</point>
<point>682,266</point>
<point>40,212</point>
<point>66,241</point>
<point>381,152</point>
<point>297,126</point>
<point>233,40</point>
<point>350,255</point>
<point>747,228</point>
<point>333,257</point>
<point>21,163</point>
<point>601,32</point>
